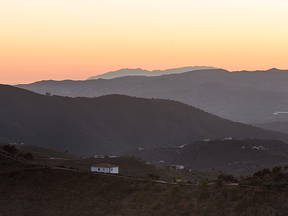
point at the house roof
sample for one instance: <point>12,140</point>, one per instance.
<point>104,165</point>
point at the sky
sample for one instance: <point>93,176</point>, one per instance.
<point>75,39</point>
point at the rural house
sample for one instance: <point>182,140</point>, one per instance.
<point>105,168</point>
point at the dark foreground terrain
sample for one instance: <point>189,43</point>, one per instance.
<point>56,192</point>
<point>238,157</point>
<point>28,187</point>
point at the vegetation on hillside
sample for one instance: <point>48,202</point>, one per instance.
<point>111,124</point>
<point>57,192</point>
<point>139,190</point>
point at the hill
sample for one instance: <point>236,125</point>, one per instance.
<point>243,156</point>
<point>281,126</point>
<point>142,72</point>
<point>111,124</point>
<point>57,192</point>
<point>245,96</point>
<point>14,158</point>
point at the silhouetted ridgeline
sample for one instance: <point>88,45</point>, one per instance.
<point>250,97</point>
<point>143,72</point>
<point>112,124</point>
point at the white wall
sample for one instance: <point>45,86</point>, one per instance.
<point>114,170</point>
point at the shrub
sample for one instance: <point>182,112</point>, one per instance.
<point>11,149</point>
<point>27,156</point>
<point>153,176</point>
<point>227,178</point>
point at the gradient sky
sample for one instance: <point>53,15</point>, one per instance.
<point>74,39</point>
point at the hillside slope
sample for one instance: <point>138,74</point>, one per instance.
<point>62,193</point>
<point>240,96</point>
<point>112,124</point>
<point>231,156</point>
<point>281,126</point>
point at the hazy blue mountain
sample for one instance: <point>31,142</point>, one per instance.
<point>112,124</point>
<point>249,97</point>
<point>142,72</point>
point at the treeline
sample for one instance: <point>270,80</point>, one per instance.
<point>275,178</point>
<point>13,151</point>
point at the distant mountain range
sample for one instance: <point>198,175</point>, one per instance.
<point>244,96</point>
<point>113,124</point>
<point>143,72</point>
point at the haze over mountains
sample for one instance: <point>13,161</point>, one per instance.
<point>244,96</point>
<point>143,72</point>
<point>112,124</point>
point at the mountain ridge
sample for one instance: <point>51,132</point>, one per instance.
<point>112,124</point>
<point>142,72</point>
<point>246,97</point>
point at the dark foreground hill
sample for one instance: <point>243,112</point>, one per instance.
<point>112,124</point>
<point>29,188</point>
<point>250,97</point>
<point>63,193</point>
<point>14,158</point>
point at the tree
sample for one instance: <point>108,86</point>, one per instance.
<point>28,156</point>
<point>11,149</point>
<point>153,176</point>
<point>262,173</point>
<point>227,178</point>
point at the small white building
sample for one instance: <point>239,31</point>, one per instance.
<point>178,167</point>
<point>99,156</point>
<point>105,168</point>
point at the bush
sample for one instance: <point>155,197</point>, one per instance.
<point>262,173</point>
<point>11,149</point>
<point>153,176</point>
<point>27,156</point>
<point>227,178</point>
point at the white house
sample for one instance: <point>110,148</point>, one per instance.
<point>105,168</point>
<point>178,167</point>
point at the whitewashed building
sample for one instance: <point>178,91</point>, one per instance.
<point>105,168</point>
<point>178,167</point>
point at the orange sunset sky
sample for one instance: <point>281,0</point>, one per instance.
<point>75,39</point>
